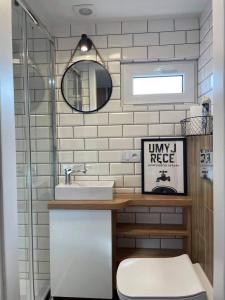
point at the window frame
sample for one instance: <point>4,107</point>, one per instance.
<point>188,69</point>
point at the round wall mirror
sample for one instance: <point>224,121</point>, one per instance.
<point>86,86</point>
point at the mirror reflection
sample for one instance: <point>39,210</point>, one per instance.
<point>86,86</point>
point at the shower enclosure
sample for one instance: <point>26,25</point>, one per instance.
<point>33,62</point>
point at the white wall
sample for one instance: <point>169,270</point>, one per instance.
<point>219,146</point>
<point>98,139</point>
<point>8,209</point>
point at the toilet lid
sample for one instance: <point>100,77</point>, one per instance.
<point>172,277</point>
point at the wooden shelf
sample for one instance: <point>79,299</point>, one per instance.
<point>132,230</point>
<point>122,201</point>
<point>123,253</point>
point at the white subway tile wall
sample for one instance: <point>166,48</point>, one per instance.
<point>99,139</point>
<point>205,67</point>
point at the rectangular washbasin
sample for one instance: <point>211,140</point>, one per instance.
<point>85,190</point>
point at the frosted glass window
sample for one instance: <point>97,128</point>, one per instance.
<point>158,85</point>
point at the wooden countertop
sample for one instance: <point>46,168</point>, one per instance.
<point>121,201</point>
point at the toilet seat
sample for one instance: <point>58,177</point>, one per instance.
<point>159,279</point>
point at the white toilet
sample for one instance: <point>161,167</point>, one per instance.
<point>161,279</point>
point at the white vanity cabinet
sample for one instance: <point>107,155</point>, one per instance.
<point>81,253</point>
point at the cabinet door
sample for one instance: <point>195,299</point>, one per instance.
<point>81,253</point>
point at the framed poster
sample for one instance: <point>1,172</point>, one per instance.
<point>164,166</point>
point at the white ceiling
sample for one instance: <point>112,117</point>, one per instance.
<point>58,12</point>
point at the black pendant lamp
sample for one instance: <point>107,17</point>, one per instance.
<point>85,44</point>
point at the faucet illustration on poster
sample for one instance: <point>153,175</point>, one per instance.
<point>164,166</point>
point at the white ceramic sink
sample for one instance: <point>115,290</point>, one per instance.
<point>85,190</point>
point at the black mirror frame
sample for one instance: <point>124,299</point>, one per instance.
<point>100,107</point>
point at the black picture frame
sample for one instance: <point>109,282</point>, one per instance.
<point>181,166</point>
